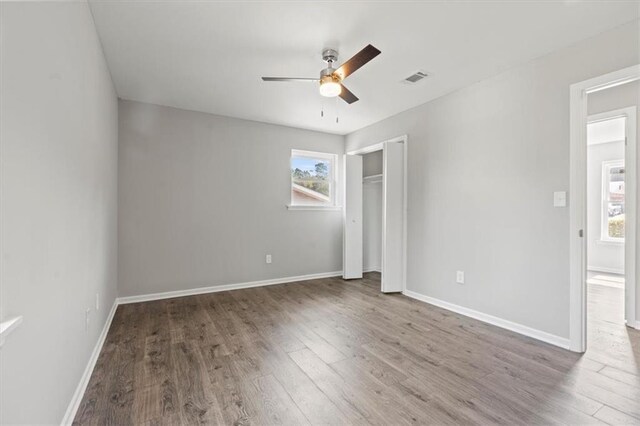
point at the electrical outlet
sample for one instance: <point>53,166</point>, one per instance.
<point>267,258</point>
<point>560,199</point>
<point>97,301</point>
<point>87,318</point>
<point>460,277</point>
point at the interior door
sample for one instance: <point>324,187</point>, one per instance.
<point>352,243</point>
<point>392,217</point>
<point>631,313</point>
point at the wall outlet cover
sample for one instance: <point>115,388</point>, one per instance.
<point>460,277</point>
<point>560,199</point>
<point>268,258</point>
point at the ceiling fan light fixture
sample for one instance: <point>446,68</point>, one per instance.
<point>329,87</point>
<point>331,78</point>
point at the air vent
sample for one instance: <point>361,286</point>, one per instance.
<point>414,78</point>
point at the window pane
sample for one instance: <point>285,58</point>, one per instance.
<point>615,205</point>
<point>616,220</point>
<point>616,184</point>
<point>311,180</point>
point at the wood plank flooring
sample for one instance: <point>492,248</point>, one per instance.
<point>339,352</point>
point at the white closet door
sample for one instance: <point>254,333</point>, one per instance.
<point>352,252</point>
<point>392,217</point>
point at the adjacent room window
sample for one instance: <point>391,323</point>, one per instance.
<point>613,200</point>
<point>313,179</point>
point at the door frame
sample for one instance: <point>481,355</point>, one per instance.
<point>352,219</point>
<point>578,93</point>
<point>404,139</point>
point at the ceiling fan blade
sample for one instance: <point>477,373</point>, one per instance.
<point>347,96</point>
<point>288,79</point>
<point>357,61</point>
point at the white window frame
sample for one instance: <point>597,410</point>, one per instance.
<point>333,173</point>
<point>604,222</point>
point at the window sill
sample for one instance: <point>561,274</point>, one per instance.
<point>610,242</point>
<point>326,208</point>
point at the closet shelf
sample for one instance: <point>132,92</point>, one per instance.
<point>372,179</point>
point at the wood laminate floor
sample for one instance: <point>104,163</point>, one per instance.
<point>340,352</point>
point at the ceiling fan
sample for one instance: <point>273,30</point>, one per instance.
<point>331,79</point>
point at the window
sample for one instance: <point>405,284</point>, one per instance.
<point>313,179</point>
<point>613,200</point>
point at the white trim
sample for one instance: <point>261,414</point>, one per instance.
<point>577,206</point>
<point>6,327</point>
<point>224,287</point>
<point>372,269</point>
<point>70,414</point>
<point>490,319</point>
<point>606,116</point>
<point>635,325</point>
<point>311,207</point>
<point>604,142</point>
<point>370,148</point>
<point>631,212</point>
<point>405,200</point>
<point>612,242</point>
<point>404,139</point>
<point>333,179</point>
<point>605,270</point>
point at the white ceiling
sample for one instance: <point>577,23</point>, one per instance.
<point>209,56</point>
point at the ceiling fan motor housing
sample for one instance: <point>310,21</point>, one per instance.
<point>330,56</point>
<point>328,74</point>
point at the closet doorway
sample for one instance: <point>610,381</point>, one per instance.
<point>375,213</point>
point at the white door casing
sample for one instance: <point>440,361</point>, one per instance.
<point>352,239</point>
<point>393,217</point>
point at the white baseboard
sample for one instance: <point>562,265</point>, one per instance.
<point>372,269</point>
<point>605,270</point>
<point>224,287</point>
<point>490,319</point>
<point>635,324</point>
<point>84,380</point>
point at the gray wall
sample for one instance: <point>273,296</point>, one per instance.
<point>58,182</point>
<point>372,163</point>
<point>202,200</point>
<point>483,164</point>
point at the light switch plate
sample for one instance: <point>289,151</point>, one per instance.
<point>560,199</point>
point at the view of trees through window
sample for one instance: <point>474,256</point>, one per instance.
<point>313,174</point>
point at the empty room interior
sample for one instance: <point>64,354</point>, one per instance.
<point>319,212</point>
